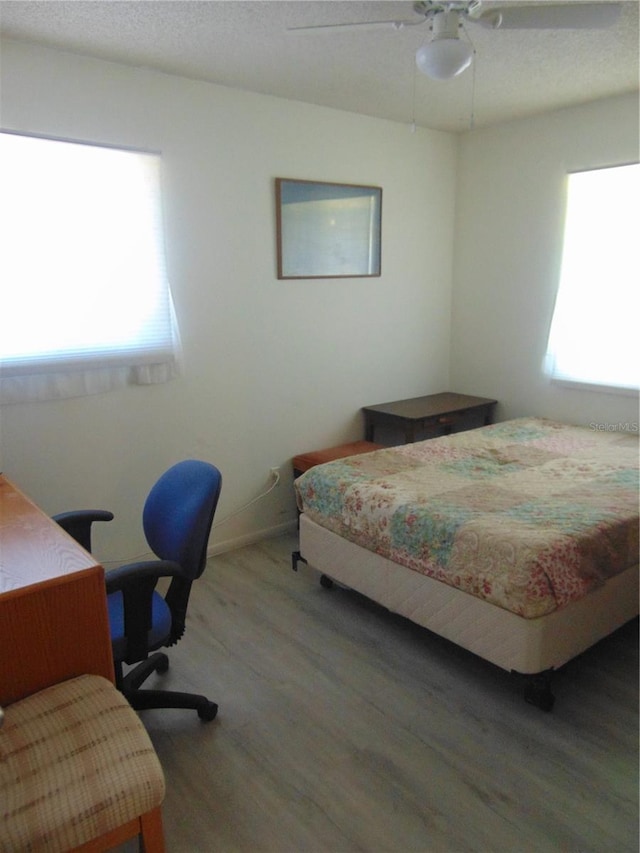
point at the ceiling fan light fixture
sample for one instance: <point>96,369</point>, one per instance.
<point>444,58</point>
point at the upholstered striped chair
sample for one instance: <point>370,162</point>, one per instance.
<point>78,772</point>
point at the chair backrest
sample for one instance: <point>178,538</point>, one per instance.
<point>178,514</point>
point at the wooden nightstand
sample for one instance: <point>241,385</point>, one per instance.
<point>433,412</point>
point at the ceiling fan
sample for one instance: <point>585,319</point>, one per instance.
<point>446,55</point>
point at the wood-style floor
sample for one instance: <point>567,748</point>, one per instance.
<point>345,728</point>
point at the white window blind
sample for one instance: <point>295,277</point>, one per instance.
<point>83,284</point>
<point>593,338</point>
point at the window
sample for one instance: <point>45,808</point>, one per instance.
<point>83,281</point>
<point>594,331</point>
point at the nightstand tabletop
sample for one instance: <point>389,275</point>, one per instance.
<point>432,410</point>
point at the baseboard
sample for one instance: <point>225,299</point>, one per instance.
<point>251,538</point>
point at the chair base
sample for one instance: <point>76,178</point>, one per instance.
<point>144,700</point>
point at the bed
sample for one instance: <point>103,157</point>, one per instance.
<point>517,541</point>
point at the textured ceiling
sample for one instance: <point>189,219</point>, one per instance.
<point>368,70</point>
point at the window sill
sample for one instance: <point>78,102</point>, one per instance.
<point>575,385</point>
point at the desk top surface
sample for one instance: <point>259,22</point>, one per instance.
<point>432,405</point>
<point>33,548</point>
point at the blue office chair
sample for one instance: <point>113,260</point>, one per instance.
<point>177,519</point>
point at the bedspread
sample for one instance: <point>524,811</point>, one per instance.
<point>529,514</point>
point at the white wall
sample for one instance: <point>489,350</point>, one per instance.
<point>272,368</point>
<point>508,252</point>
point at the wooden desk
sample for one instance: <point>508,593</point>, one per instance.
<point>431,412</point>
<point>53,606</point>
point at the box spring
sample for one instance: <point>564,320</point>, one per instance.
<point>510,641</point>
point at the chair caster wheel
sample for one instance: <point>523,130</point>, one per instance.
<point>208,712</point>
<point>162,664</point>
<point>326,582</point>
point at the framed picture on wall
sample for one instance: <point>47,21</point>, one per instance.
<point>327,230</point>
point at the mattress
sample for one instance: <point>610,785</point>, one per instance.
<point>529,515</point>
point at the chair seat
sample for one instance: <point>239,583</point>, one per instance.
<point>75,764</point>
<point>160,629</point>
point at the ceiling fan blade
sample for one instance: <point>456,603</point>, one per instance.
<point>547,16</point>
<point>357,25</point>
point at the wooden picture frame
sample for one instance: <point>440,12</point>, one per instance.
<point>327,230</point>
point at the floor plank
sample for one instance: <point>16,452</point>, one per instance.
<point>345,728</point>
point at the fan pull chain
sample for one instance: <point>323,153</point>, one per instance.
<point>472,118</point>
<point>472,111</point>
<point>413,101</point>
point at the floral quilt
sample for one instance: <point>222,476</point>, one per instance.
<point>529,514</point>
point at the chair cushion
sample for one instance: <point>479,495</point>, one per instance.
<point>160,629</point>
<point>75,763</point>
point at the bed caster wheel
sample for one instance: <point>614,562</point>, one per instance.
<point>207,711</point>
<point>538,693</point>
<point>543,699</point>
<point>326,582</point>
